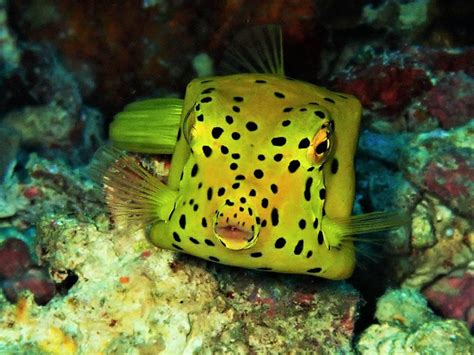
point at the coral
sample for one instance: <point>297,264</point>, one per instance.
<point>409,326</point>
<point>132,296</point>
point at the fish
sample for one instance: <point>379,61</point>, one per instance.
<point>262,169</point>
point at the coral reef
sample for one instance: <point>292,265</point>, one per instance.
<point>407,325</point>
<point>156,300</point>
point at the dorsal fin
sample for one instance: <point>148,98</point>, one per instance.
<point>257,49</point>
<point>148,126</point>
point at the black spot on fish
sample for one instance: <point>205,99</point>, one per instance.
<point>299,247</point>
<point>207,150</point>
<point>322,194</point>
<point>334,166</point>
<point>242,200</point>
<point>194,240</point>
<point>224,149</point>
<point>207,81</point>
<point>278,157</point>
<point>217,132</point>
<point>251,126</point>
<point>288,109</point>
<point>315,223</point>
<point>304,143</point>
<point>236,108</point>
<point>229,203</point>
<point>235,136</point>
<point>209,242</point>
<point>209,194</point>
<point>198,107</point>
<point>279,141</point>
<point>293,166</point>
<point>200,118</point>
<point>260,81</point>
<point>238,99</point>
<point>264,223</point>
<point>229,119</point>
<point>235,185</point>
<point>235,155</point>
<point>329,100</point>
<point>213,258</point>
<point>195,207</point>
<point>280,243</point>
<point>199,185</point>
<point>182,221</point>
<point>233,166</point>
<point>303,109</point>
<point>258,173</point>
<point>315,270</point>
<point>320,238</point>
<point>194,170</point>
<point>253,193</point>
<point>176,237</point>
<point>176,246</point>
<point>286,123</point>
<point>206,99</point>
<point>204,222</point>
<point>207,91</point>
<point>256,255</point>
<point>309,254</point>
<point>261,157</point>
<point>274,188</point>
<point>240,177</point>
<point>320,114</point>
<point>307,189</point>
<point>221,191</point>
<point>279,95</point>
<point>302,224</point>
<point>274,216</point>
<point>264,202</point>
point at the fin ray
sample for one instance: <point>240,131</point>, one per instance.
<point>131,192</point>
<point>257,49</point>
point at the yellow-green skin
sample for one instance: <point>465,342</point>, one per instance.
<point>198,178</point>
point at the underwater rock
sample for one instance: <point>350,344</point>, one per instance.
<point>452,295</point>
<point>451,100</point>
<point>48,125</point>
<point>408,325</point>
<point>131,295</point>
<point>9,51</point>
<point>404,18</point>
<point>36,280</point>
<point>14,258</point>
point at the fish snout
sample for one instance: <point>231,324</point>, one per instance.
<point>235,225</point>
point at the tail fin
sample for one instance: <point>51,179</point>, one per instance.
<point>148,126</point>
<point>133,195</point>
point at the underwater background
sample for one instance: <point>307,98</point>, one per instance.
<point>72,284</point>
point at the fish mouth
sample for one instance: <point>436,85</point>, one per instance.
<point>235,233</point>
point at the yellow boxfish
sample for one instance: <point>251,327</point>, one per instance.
<point>262,173</point>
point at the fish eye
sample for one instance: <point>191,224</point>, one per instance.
<point>321,145</point>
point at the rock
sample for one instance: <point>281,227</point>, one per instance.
<point>408,325</point>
